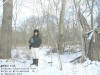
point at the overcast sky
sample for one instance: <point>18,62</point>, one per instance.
<point>28,8</point>
<point>25,9</point>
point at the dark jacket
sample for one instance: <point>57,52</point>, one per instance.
<point>37,42</point>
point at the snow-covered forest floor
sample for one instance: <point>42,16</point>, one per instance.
<point>21,58</point>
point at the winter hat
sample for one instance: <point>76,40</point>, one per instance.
<point>36,30</point>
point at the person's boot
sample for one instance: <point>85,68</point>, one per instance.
<point>34,62</point>
<point>37,62</point>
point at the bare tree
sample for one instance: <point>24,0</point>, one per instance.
<point>6,30</point>
<point>92,19</point>
<point>61,27</point>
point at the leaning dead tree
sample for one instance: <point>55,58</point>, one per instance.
<point>85,28</point>
<point>91,37</point>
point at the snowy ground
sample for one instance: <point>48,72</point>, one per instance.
<point>21,58</point>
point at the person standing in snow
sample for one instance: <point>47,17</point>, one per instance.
<point>34,44</point>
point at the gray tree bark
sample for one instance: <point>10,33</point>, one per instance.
<point>92,14</point>
<point>6,30</point>
<point>61,27</point>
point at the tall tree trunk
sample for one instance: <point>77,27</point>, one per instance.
<point>6,30</point>
<point>92,14</point>
<point>61,27</point>
<point>98,17</point>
